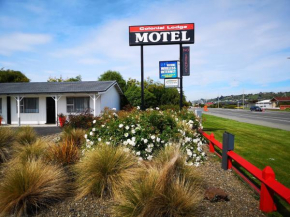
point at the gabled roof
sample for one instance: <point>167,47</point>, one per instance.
<point>281,99</point>
<point>57,87</point>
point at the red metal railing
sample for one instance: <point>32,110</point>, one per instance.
<point>269,186</point>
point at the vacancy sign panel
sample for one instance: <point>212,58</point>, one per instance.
<point>171,83</point>
<point>161,34</point>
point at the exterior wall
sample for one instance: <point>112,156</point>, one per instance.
<point>29,118</point>
<point>264,105</point>
<point>4,109</point>
<point>111,99</point>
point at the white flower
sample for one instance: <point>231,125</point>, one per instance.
<point>86,136</point>
<point>138,153</point>
<point>145,141</point>
<point>121,125</point>
<point>94,121</point>
<point>162,141</point>
<point>149,157</point>
<point>203,154</point>
<point>153,137</point>
<point>99,139</point>
<point>126,135</point>
<point>176,119</point>
<point>127,127</point>
<point>132,126</point>
<point>196,164</point>
<point>133,131</point>
<point>138,107</point>
<point>157,108</point>
<point>114,109</point>
<point>103,125</point>
<point>108,143</point>
<point>158,139</point>
<point>189,164</point>
<point>133,139</point>
<point>91,133</point>
<point>94,129</point>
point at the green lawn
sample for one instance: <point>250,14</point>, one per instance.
<point>262,146</point>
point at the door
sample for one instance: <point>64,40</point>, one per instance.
<point>50,110</point>
<point>8,110</point>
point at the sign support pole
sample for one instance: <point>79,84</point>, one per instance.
<point>181,74</point>
<point>142,80</point>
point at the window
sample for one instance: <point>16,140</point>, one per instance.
<point>28,105</point>
<point>0,105</point>
<point>77,104</point>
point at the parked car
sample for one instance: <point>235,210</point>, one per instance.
<point>255,108</point>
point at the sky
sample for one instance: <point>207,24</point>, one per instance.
<point>240,46</point>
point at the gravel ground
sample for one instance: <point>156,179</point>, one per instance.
<point>242,201</point>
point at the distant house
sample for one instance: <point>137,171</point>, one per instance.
<point>278,101</point>
<point>266,104</point>
<point>41,102</point>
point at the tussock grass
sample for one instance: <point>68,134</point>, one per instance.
<point>64,153</point>
<point>26,135</point>
<point>26,187</point>
<point>28,152</point>
<point>7,137</point>
<point>75,135</point>
<point>104,171</point>
<point>167,188</point>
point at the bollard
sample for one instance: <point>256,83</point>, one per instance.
<point>267,196</point>
<point>211,146</point>
<point>228,145</point>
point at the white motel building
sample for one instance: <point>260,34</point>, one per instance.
<point>39,103</point>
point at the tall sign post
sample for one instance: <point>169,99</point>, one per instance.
<point>163,34</point>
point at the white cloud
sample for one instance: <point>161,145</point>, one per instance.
<point>21,42</point>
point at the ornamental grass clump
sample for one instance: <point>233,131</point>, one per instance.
<point>7,137</point>
<point>75,135</point>
<point>104,170</point>
<point>29,152</point>
<point>26,135</point>
<point>167,187</point>
<point>64,153</point>
<point>27,187</point>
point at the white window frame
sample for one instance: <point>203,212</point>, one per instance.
<point>22,108</point>
<point>0,105</point>
<point>73,104</point>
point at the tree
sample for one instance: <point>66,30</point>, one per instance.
<point>113,76</point>
<point>12,76</point>
<point>60,79</point>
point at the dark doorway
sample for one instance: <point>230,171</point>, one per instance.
<point>8,110</point>
<point>50,110</point>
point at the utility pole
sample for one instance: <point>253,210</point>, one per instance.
<point>243,99</point>
<point>218,102</point>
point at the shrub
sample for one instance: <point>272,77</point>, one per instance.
<point>7,137</point>
<point>104,171</point>
<point>64,153</point>
<point>26,187</point>
<point>75,135</point>
<point>170,107</point>
<point>145,132</point>
<point>26,135</point>
<point>28,152</point>
<point>171,190</point>
<point>82,120</point>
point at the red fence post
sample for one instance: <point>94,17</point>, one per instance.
<point>266,197</point>
<point>211,146</point>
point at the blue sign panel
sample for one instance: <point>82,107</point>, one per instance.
<point>168,69</point>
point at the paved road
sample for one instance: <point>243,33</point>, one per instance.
<point>273,119</point>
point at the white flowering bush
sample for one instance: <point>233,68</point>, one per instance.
<point>145,132</point>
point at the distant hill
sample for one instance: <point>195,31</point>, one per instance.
<point>248,97</point>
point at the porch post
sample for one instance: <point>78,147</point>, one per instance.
<point>94,98</point>
<point>18,100</point>
<point>56,98</point>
